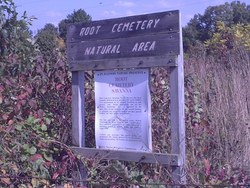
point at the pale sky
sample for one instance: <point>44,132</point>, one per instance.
<point>53,11</point>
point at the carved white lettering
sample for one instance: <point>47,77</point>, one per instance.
<point>87,51</point>
<point>119,29</point>
<point>92,51</point>
<point>115,49</point>
<point>149,25</point>
<point>138,24</point>
<point>92,30</point>
<point>126,26</point>
<point>113,28</point>
<point>143,25</point>
<point>135,25</point>
<point>98,49</point>
<point>135,47</point>
<point>144,46</point>
<point>89,30</point>
<point>152,46</point>
<point>103,50</point>
<point>141,46</point>
<point>108,49</point>
<point>131,26</point>
<point>156,22</point>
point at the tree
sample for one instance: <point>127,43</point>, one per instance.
<point>202,27</point>
<point>76,17</point>
<point>191,33</point>
<point>15,38</point>
<point>241,12</point>
<point>227,38</point>
<point>46,39</point>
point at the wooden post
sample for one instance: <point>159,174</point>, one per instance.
<point>137,46</point>
<point>177,116</point>
<point>78,116</point>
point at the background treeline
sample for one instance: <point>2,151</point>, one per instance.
<point>35,105</point>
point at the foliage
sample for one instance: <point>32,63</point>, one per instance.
<point>35,108</point>
<point>34,121</point>
<point>227,38</point>
<point>202,27</point>
<point>217,141</point>
<point>46,39</point>
<point>15,37</point>
<point>77,16</point>
<point>35,114</point>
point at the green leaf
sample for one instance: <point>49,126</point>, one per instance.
<point>30,119</point>
<point>32,150</point>
<point>26,147</point>
<point>44,127</point>
<point>48,121</point>
<point>23,158</point>
<point>19,127</point>
<point>36,121</point>
<point>48,157</point>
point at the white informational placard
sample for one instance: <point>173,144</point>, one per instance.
<point>123,110</point>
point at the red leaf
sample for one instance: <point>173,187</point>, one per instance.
<point>10,122</point>
<point>1,98</point>
<point>207,166</point>
<point>22,96</point>
<point>5,116</point>
<point>58,87</point>
<point>7,82</point>
<point>47,164</point>
<point>36,157</point>
<point>33,103</point>
<point>1,89</point>
<point>23,102</point>
<point>29,90</point>
<point>18,107</point>
<point>55,175</point>
<point>40,113</point>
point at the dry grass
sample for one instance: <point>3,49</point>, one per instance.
<point>225,96</point>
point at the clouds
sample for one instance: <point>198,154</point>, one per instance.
<point>54,11</point>
<point>110,13</point>
<point>54,17</point>
<point>163,3</point>
<point>122,8</point>
<point>53,14</point>
<point>127,4</point>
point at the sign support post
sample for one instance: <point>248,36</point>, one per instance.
<point>78,110</point>
<point>177,116</point>
<point>143,41</point>
<point>78,116</point>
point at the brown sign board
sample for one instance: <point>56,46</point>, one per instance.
<point>131,42</point>
<point>149,35</point>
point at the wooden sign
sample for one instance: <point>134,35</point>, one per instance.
<point>142,41</point>
<point>152,35</point>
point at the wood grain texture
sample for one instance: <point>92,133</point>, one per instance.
<point>78,117</point>
<point>141,46</point>
<point>137,62</point>
<point>121,52</point>
<point>143,157</point>
<point>177,117</point>
<point>103,47</point>
<point>103,29</point>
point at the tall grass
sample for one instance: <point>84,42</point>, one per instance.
<point>223,83</point>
